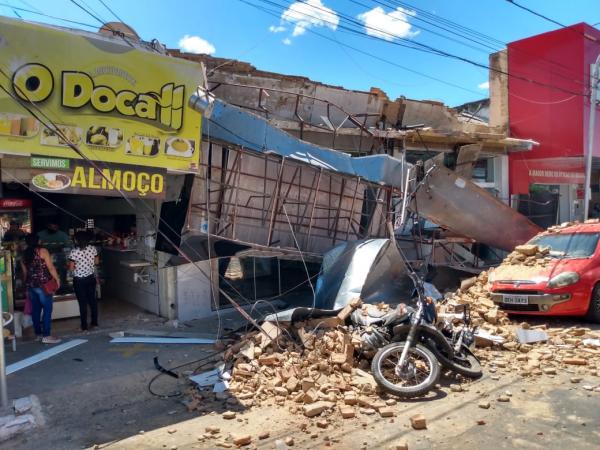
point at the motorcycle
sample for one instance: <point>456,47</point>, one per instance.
<point>410,347</point>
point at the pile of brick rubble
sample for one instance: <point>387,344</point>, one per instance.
<point>319,368</point>
<point>575,350</point>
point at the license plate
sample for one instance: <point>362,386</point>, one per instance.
<point>515,299</point>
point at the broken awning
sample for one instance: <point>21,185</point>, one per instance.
<point>232,124</point>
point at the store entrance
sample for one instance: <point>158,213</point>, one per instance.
<point>112,224</point>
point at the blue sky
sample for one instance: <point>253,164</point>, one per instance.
<point>287,42</point>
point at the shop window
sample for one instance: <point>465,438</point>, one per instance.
<point>483,170</point>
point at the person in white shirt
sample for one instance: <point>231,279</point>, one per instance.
<point>83,260</point>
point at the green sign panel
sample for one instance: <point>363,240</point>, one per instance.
<point>38,162</point>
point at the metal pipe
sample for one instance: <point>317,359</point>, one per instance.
<point>594,86</point>
<point>312,212</point>
<point>3,388</point>
<point>275,202</point>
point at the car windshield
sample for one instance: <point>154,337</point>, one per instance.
<point>573,245</point>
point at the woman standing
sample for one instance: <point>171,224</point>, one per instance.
<point>82,261</point>
<point>38,270</point>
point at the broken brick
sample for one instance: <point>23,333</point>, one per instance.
<point>311,396</point>
<point>418,422</point>
<point>386,412</point>
<point>268,360</point>
<point>264,435</point>
<point>575,361</point>
<point>307,384</point>
<point>314,409</point>
<point>292,384</point>
<point>322,423</point>
<point>242,440</point>
<point>347,412</point>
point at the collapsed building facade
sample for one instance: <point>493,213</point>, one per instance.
<point>288,168</point>
<point>260,189</point>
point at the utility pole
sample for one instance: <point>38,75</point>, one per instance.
<point>594,87</point>
<point>3,390</point>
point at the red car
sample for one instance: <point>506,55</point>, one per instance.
<point>568,285</point>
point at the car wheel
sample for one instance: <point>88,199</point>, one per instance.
<point>593,313</point>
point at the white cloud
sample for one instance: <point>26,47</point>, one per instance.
<point>485,85</point>
<point>388,26</point>
<point>195,44</point>
<point>310,13</point>
<point>287,41</point>
<point>277,28</point>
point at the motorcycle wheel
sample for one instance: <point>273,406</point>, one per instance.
<point>465,363</point>
<point>421,375</point>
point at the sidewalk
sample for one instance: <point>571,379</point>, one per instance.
<point>98,391</point>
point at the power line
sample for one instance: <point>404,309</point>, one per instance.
<point>371,55</point>
<point>39,13</point>
<point>535,13</point>
<point>103,23</point>
<point>461,58</point>
<point>426,48</point>
<point>383,3</point>
<point>357,27</point>
<point>494,41</point>
<point>51,125</point>
<point>29,5</point>
<point>111,11</point>
<point>96,13</point>
<point>436,18</point>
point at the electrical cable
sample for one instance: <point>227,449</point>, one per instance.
<point>57,130</point>
<point>104,24</point>
<point>535,13</point>
<point>423,48</point>
<point>96,13</point>
<point>478,35</point>
<point>212,288</point>
<point>371,55</point>
<point>189,363</point>
<point>75,22</point>
<point>435,32</point>
<point>349,29</point>
<point>111,11</point>
<point>82,155</point>
<point>180,251</point>
<point>301,256</point>
<point>432,49</point>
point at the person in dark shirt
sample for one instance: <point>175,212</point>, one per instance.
<point>53,237</point>
<point>14,233</point>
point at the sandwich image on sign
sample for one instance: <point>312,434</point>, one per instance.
<point>51,181</point>
<point>66,135</point>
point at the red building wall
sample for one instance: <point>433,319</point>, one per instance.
<point>547,103</point>
<point>591,52</point>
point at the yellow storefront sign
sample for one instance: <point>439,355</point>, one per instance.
<point>116,103</point>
